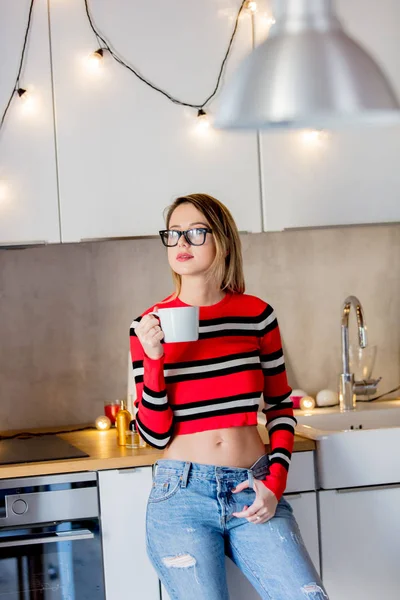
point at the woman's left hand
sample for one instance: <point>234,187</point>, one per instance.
<point>264,506</point>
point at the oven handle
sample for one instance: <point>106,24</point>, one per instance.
<point>62,536</point>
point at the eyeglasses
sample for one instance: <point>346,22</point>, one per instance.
<point>194,237</point>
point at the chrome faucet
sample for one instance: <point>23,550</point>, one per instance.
<point>348,388</point>
<point>347,396</point>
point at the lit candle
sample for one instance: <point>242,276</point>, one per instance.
<point>307,403</point>
<point>102,423</point>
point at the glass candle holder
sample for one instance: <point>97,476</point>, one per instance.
<point>111,407</point>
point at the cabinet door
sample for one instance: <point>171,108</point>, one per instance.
<point>127,570</point>
<point>28,177</point>
<point>347,176</point>
<point>360,542</point>
<point>305,510</point>
<point>124,150</point>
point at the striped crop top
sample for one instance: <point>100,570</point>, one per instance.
<point>218,381</point>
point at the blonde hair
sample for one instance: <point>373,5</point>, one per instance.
<point>227,267</point>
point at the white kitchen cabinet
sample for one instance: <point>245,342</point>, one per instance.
<point>305,510</point>
<point>349,176</point>
<point>128,571</point>
<point>28,177</point>
<point>360,542</point>
<point>125,151</point>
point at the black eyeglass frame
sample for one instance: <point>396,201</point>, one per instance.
<point>204,230</point>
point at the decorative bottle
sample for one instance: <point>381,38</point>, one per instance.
<point>122,421</point>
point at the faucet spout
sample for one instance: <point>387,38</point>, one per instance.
<point>347,397</point>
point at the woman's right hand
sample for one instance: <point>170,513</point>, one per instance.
<point>150,334</point>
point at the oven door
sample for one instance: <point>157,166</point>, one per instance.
<point>56,561</point>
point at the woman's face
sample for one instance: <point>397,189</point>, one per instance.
<point>186,259</point>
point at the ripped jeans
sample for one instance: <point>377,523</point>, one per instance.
<point>190,529</point>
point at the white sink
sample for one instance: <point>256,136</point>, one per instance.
<point>368,454</point>
<point>366,416</point>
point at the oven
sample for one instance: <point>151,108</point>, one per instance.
<point>50,543</point>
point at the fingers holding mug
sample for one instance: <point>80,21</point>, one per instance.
<point>150,334</point>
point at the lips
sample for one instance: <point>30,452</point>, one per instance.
<point>183,256</point>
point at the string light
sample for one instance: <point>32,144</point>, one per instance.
<point>27,101</point>
<point>102,41</point>
<point>313,137</point>
<point>17,86</point>
<point>251,5</point>
<point>203,121</point>
<point>95,60</point>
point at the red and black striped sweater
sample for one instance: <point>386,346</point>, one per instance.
<point>218,381</point>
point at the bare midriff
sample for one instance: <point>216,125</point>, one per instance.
<point>230,447</point>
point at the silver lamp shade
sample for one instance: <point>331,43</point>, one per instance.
<point>307,73</point>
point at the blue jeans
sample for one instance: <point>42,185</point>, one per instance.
<point>190,529</point>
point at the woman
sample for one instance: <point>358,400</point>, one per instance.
<point>215,490</point>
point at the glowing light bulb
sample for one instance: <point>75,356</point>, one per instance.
<point>307,403</point>
<point>251,5</point>
<point>313,137</point>
<point>4,191</point>
<point>203,122</point>
<point>102,423</point>
<point>95,60</point>
<point>27,100</point>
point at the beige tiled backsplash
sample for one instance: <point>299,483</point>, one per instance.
<point>65,312</point>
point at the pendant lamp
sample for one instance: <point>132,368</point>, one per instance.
<point>308,73</point>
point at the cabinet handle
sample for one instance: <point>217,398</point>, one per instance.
<point>367,488</point>
<point>18,245</point>
<point>292,496</point>
<point>131,470</point>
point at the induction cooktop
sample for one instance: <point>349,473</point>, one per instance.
<point>37,449</point>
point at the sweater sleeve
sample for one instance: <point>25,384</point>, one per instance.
<point>154,416</point>
<point>278,408</point>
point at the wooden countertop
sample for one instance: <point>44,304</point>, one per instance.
<point>104,453</point>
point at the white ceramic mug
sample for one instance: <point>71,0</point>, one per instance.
<point>179,324</point>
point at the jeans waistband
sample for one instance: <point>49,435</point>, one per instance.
<point>183,468</point>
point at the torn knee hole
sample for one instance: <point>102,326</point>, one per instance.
<point>180,561</point>
<point>313,590</point>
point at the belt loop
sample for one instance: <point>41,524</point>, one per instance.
<point>251,478</point>
<point>155,467</point>
<point>185,473</point>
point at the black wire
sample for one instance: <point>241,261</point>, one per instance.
<point>146,81</point>
<point>386,393</point>
<point>21,62</point>
<point>24,435</point>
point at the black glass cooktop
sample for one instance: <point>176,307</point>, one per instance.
<point>37,449</point>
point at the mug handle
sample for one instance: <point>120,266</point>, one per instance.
<point>153,312</point>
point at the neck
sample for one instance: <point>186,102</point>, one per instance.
<point>200,293</point>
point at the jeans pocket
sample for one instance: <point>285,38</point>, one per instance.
<point>164,487</point>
